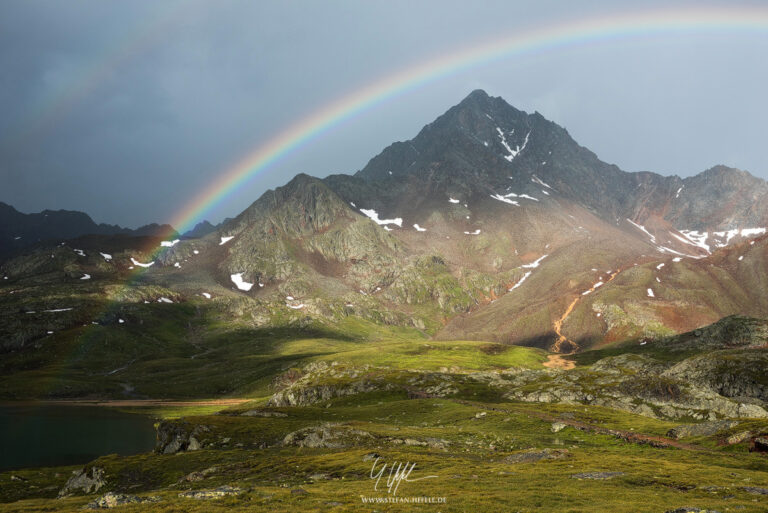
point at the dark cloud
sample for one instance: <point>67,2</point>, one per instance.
<point>127,109</point>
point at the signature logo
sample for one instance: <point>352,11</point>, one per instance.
<point>398,472</point>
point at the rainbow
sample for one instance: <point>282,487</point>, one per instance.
<point>574,32</point>
<point>646,23</point>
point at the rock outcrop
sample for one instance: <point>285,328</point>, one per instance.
<point>85,480</point>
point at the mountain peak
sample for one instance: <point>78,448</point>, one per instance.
<point>477,94</point>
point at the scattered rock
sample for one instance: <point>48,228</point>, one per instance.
<point>755,490</point>
<point>737,438</point>
<point>597,475</point>
<point>480,415</point>
<point>333,504</point>
<point>111,500</point>
<point>221,491</point>
<point>702,429</point>
<point>85,481</point>
<point>329,436</point>
<point>18,478</point>
<point>371,456</point>
<point>299,491</point>
<point>534,455</point>
<point>177,436</point>
<point>558,426</point>
<point>193,477</point>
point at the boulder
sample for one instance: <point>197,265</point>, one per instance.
<point>176,436</point>
<point>702,429</point>
<point>759,444</point>
<point>111,500</point>
<point>533,455</point>
<point>84,480</point>
<point>558,426</point>
<point>329,436</point>
<point>216,493</point>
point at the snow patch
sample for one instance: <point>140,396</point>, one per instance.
<point>206,295</point>
<point>237,279</point>
<point>535,263</point>
<point>224,240</point>
<point>676,259</point>
<point>136,262</point>
<point>196,252</point>
<point>650,293</point>
<point>536,179</point>
<point>164,300</point>
<point>660,266</point>
<point>86,276</point>
<point>677,194</point>
<point>169,243</point>
<point>106,256</point>
<point>79,252</point>
<point>505,199</point>
<point>452,200</point>
<point>749,232</point>
<point>697,238</point>
<point>375,217</point>
<point>55,310</point>
<point>476,232</point>
<point>177,265</point>
<point>419,228</point>
<point>641,227</point>
<point>295,307</point>
<point>741,258</point>
<point>512,153</point>
<point>525,277</point>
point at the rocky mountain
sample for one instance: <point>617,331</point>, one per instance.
<point>489,291</point>
<point>19,230</point>
<point>490,224</point>
<point>201,229</point>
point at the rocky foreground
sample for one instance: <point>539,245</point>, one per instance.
<point>679,425</point>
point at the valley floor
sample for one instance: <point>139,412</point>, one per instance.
<point>466,455</point>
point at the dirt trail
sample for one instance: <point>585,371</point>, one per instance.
<point>558,326</point>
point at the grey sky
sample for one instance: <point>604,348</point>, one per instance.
<point>126,110</point>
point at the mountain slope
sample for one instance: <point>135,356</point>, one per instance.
<point>19,231</point>
<point>490,224</point>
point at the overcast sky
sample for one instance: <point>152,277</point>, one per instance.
<point>126,110</point>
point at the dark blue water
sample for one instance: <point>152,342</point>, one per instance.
<point>37,436</point>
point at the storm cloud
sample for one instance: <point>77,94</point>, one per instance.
<point>127,110</point>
